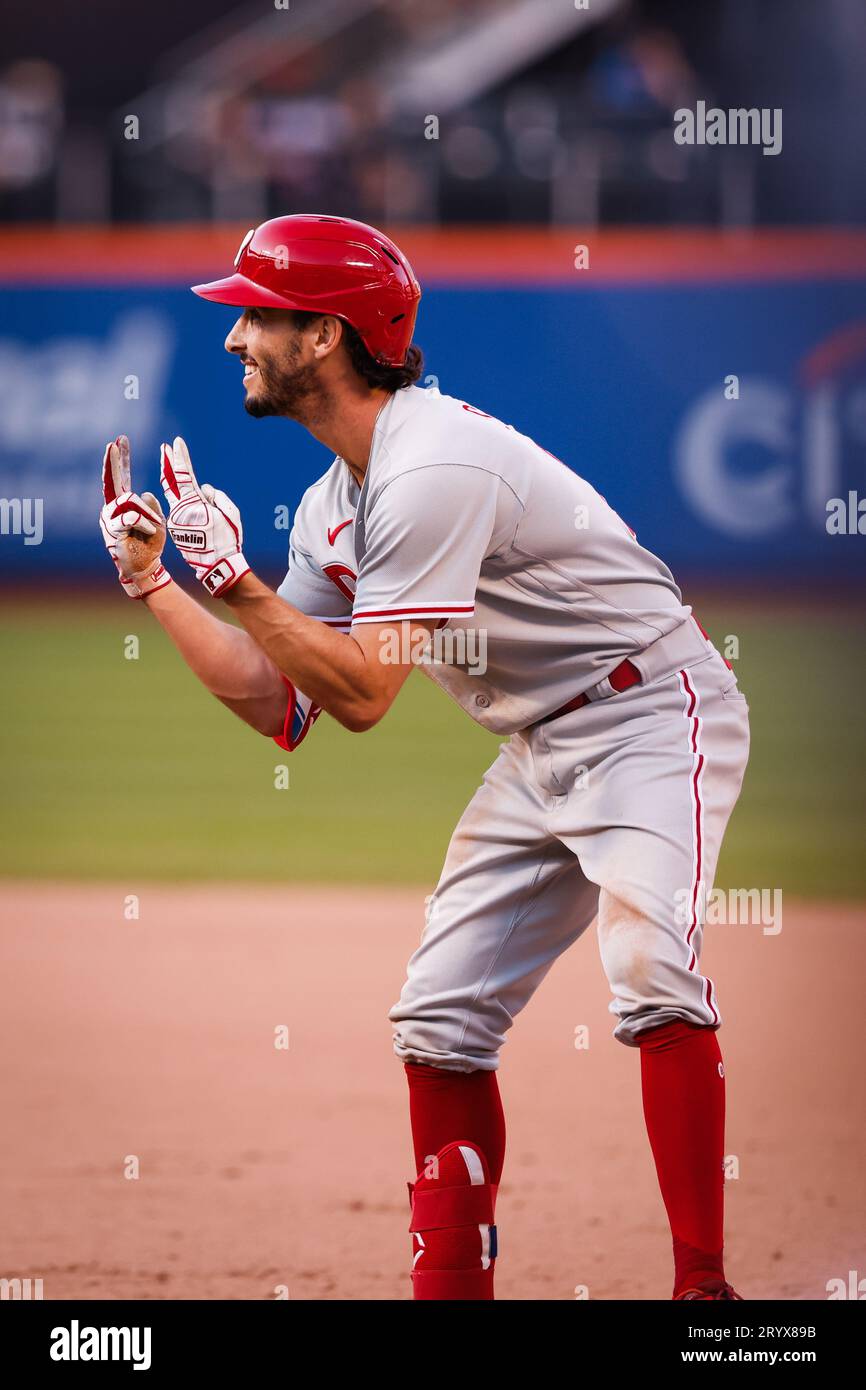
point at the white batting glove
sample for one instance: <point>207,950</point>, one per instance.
<point>133,526</point>
<point>204,523</point>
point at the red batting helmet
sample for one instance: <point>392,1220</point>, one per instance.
<point>328,265</point>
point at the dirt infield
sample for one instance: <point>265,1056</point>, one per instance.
<point>262,1166</point>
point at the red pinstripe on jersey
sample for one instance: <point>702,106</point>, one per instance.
<point>432,610</point>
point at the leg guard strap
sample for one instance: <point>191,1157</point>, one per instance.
<point>458,1285</point>
<point>435,1208</point>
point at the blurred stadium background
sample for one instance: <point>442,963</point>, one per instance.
<point>491,138</point>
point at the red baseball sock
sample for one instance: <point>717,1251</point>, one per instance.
<point>449,1105</point>
<point>683,1084</point>
<point>447,1108</point>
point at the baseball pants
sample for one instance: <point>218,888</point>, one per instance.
<point>615,811</point>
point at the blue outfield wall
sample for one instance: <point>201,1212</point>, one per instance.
<point>625,384</point>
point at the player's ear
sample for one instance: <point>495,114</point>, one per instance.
<point>329,335</point>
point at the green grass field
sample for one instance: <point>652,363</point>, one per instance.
<point>119,768</point>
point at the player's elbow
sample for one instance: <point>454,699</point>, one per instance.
<point>358,726</point>
<point>359,723</point>
<point>362,715</point>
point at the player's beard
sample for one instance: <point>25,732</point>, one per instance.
<point>285,388</point>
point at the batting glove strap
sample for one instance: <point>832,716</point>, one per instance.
<point>158,579</point>
<point>224,575</point>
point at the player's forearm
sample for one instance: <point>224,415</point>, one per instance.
<point>328,666</point>
<point>224,658</point>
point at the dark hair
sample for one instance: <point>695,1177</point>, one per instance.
<point>375,373</point>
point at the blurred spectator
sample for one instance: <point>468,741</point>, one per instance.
<point>31,120</point>
<point>299,109</point>
<point>647,74</point>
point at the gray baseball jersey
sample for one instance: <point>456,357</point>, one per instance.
<point>616,809</point>
<point>465,520</point>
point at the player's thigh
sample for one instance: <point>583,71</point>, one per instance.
<point>647,825</point>
<point>510,899</point>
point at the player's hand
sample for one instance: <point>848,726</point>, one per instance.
<point>133,527</point>
<point>204,524</point>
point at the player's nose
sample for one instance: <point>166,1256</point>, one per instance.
<point>236,342</point>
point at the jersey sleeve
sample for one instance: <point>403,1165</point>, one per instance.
<point>427,534</point>
<point>307,588</point>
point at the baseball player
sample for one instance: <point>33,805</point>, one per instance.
<point>626,737</point>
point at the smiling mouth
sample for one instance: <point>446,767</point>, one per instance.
<point>250,370</point>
